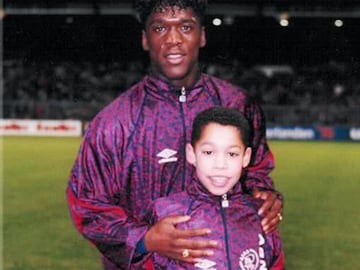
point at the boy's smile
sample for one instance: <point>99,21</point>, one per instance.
<point>219,157</point>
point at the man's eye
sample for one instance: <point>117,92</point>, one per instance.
<point>159,28</point>
<point>186,28</point>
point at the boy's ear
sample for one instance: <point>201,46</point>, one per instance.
<point>190,154</point>
<point>247,157</point>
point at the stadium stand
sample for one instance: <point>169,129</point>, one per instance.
<point>67,59</point>
<point>324,94</point>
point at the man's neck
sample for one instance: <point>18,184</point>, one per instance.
<point>187,82</point>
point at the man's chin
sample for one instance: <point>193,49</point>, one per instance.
<point>175,76</point>
<point>170,76</point>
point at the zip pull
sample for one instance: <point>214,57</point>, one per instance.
<point>182,97</point>
<point>224,201</point>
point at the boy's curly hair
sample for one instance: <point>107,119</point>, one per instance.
<point>145,7</point>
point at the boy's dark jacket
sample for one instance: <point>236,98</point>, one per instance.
<point>237,227</point>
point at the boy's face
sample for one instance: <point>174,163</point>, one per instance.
<point>173,38</point>
<point>219,157</point>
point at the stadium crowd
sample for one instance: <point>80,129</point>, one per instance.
<point>323,94</point>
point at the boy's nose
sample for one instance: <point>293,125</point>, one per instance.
<point>220,162</point>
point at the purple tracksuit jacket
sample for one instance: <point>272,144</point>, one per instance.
<point>134,142</point>
<point>234,223</point>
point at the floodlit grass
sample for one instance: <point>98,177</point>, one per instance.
<point>321,185</point>
<point>320,182</point>
<point>38,232</point>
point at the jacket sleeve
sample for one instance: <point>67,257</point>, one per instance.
<point>97,199</point>
<point>262,161</point>
<point>278,259</point>
<point>279,263</point>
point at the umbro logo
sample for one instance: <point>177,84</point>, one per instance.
<point>167,155</point>
<point>205,264</point>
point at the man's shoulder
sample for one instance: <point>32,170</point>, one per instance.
<point>229,93</point>
<point>225,84</point>
<point>125,99</point>
<point>123,109</point>
<point>225,88</point>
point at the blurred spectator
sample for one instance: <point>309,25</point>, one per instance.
<point>325,94</point>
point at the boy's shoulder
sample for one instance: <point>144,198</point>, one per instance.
<point>174,204</point>
<point>250,201</point>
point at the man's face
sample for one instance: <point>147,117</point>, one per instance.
<point>219,157</point>
<point>173,38</point>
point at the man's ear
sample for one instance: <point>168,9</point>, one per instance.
<point>144,41</point>
<point>247,157</point>
<point>190,154</point>
<point>203,37</point>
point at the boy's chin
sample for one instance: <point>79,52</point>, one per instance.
<point>218,192</point>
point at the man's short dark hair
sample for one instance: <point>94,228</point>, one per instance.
<point>223,116</point>
<point>145,7</point>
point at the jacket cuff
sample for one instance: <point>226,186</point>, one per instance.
<point>140,247</point>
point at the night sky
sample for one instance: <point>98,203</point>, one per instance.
<point>115,38</point>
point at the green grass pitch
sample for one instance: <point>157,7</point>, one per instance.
<point>320,182</point>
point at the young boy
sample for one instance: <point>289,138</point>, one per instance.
<point>220,152</point>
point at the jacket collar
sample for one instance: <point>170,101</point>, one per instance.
<point>163,89</point>
<point>199,192</point>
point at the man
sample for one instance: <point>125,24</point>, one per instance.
<point>140,138</point>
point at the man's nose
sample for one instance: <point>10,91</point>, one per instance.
<point>173,37</point>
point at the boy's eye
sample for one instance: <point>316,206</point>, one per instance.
<point>233,154</point>
<point>207,152</point>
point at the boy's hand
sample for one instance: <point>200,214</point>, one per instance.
<point>270,210</point>
<point>165,239</point>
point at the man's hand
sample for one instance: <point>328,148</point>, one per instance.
<point>165,239</point>
<point>270,210</point>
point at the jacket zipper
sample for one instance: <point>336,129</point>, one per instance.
<point>182,99</point>
<point>224,203</point>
